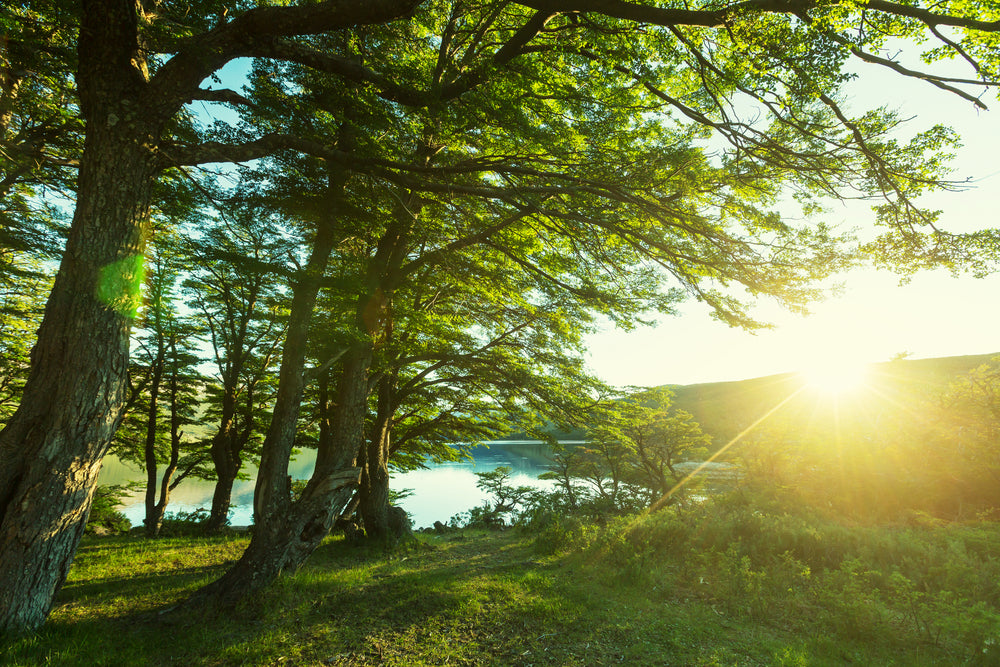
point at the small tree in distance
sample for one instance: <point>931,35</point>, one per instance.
<point>630,458</point>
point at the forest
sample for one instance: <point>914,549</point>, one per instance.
<point>229,232</point>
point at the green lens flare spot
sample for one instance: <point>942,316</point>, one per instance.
<point>119,285</point>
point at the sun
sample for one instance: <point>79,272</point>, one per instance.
<point>835,375</point>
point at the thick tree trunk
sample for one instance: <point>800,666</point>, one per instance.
<point>51,449</point>
<point>374,505</point>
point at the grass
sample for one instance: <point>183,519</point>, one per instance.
<point>638,592</point>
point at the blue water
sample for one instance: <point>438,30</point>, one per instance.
<point>439,492</point>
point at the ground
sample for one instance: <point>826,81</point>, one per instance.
<point>463,598</point>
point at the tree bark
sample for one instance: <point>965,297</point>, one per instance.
<point>225,456</point>
<point>374,505</point>
<point>51,449</point>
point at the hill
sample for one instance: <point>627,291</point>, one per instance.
<point>890,390</point>
<point>726,409</point>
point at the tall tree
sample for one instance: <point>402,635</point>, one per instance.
<point>663,209</point>
<point>50,450</point>
<point>164,388</point>
<point>234,290</point>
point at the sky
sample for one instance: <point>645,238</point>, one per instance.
<point>874,318</point>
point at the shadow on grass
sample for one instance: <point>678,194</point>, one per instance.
<point>471,599</point>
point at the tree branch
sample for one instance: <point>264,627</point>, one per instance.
<point>180,77</point>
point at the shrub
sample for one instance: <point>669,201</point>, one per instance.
<point>105,519</point>
<point>185,523</point>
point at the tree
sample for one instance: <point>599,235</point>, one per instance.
<point>234,290</point>
<point>40,134</point>
<point>164,387</point>
<point>76,384</point>
<point>137,69</point>
<point>634,444</point>
<point>660,437</point>
<point>967,435</point>
<point>20,313</point>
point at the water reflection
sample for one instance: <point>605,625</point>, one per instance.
<point>439,492</point>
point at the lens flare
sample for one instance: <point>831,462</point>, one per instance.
<point>835,376</point>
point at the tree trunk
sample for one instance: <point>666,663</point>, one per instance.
<point>154,514</point>
<point>152,420</point>
<point>285,533</point>
<point>374,505</point>
<point>51,449</point>
<point>227,468</point>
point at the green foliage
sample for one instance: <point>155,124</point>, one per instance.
<point>763,561</point>
<point>21,307</point>
<point>631,457</point>
<point>509,503</point>
<point>105,519</point>
<point>184,522</point>
<point>487,598</point>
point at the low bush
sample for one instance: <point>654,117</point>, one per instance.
<point>935,586</point>
<point>105,519</point>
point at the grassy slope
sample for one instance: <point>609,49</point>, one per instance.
<point>724,409</point>
<point>463,599</point>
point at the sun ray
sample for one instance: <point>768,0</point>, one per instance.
<point>835,376</point>
<point>739,436</point>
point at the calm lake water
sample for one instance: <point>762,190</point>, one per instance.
<point>439,492</point>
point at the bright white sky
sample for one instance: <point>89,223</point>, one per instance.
<point>875,318</point>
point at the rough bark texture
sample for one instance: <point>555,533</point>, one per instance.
<point>52,447</point>
<point>374,505</point>
<point>51,450</point>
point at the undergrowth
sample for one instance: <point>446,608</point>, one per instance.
<point>730,582</point>
<point>935,589</point>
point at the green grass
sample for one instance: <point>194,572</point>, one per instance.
<point>649,591</point>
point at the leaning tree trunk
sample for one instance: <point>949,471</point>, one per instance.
<point>51,449</point>
<point>285,533</point>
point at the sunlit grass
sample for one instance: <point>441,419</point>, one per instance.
<point>638,593</point>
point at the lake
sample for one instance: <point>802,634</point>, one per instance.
<point>439,492</point>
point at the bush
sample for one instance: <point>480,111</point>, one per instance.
<point>185,523</point>
<point>105,519</point>
<point>772,563</point>
<point>558,533</point>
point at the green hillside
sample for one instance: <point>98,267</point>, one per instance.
<point>890,391</point>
